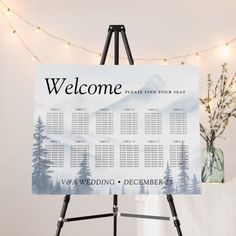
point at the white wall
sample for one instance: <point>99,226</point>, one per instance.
<point>155,29</point>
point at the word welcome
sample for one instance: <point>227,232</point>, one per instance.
<point>56,85</point>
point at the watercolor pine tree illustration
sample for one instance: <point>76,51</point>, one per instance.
<point>57,188</point>
<point>195,185</point>
<point>110,191</point>
<point>142,189</point>
<point>83,175</point>
<point>41,174</point>
<point>183,178</point>
<point>123,189</point>
<point>168,186</point>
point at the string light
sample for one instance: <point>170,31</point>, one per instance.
<point>8,11</point>
<point>34,58</point>
<point>225,46</point>
<point>225,50</point>
<point>67,45</point>
<point>197,56</point>
<point>100,56</point>
<point>37,30</point>
<point>14,32</point>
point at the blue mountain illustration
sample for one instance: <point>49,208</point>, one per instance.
<point>189,103</point>
<point>154,83</point>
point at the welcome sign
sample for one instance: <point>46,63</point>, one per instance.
<point>116,130</point>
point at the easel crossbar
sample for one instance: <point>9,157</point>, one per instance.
<point>146,216</point>
<point>118,214</point>
<point>88,217</point>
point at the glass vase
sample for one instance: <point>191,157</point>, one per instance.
<point>212,165</point>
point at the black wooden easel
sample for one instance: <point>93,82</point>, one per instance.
<point>117,29</point>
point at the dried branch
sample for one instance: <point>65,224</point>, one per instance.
<point>220,105</point>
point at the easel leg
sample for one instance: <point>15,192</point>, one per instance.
<point>60,222</point>
<point>115,210</point>
<point>174,214</point>
<point>107,43</point>
<point>116,48</point>
<point>126,44</point>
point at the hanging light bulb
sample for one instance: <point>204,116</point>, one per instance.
<point>8,11</point>
<point>165,62</point>
<point>226,46</point>
<point>197,56</point>
<point>100,56</point>
<point>34,58</point>
<point>67,45</point>
<point>37,30</point>
<point>225,50</point>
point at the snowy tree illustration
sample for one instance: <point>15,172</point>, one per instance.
<point>83,175</point>
<point>41,174</point>
<point>51,188</point>
<point>57,188</point>
<point>195,185</point>
<point>69,190</point>
<point>110,191</point>
<point>176,188</point>
<point>168,187</point>
<point>142,189</point>
<point>183,178</point>
<point>123,189</point>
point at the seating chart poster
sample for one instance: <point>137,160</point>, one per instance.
<point>116,130</point>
